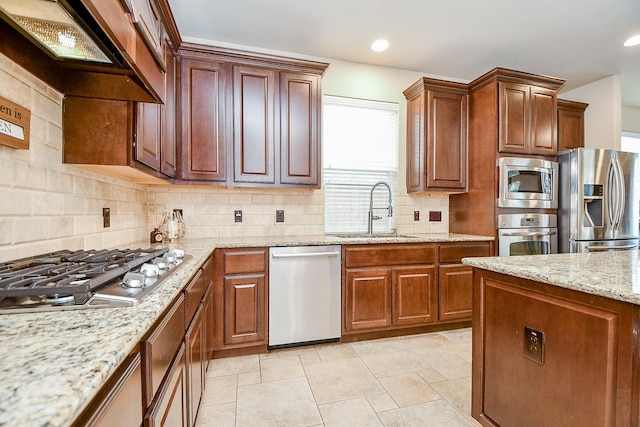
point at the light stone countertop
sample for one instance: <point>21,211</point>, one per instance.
<point>53,363</point>
<point>612,274</point>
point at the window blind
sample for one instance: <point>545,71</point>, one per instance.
<point>360,140</point>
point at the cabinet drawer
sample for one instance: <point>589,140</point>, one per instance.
<point>193,294</point>
<point>159,349</point>
<point>245,261</point>
<point>121,400</point>
<point>170,406</point>
<point>389,254</point>
<point>454,252</point>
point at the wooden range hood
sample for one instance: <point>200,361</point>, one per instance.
<point>138,78</point>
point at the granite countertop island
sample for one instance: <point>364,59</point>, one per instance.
<point>53,363</point>
<point>556,332</point>
<point>612,274</point>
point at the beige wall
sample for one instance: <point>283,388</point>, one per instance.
<point>47,206</point>
<point>602,119</point>
<point>631,119</point>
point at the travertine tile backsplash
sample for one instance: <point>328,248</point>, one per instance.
<point>47,206</point>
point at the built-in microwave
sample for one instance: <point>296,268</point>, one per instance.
<point>527,183</point>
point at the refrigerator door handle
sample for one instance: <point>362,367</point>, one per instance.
<point>621,194</point>
<point>611,193</point>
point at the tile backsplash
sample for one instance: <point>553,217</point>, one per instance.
<point>47,205</point>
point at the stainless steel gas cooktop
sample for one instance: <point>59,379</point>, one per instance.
<point>70,280</point>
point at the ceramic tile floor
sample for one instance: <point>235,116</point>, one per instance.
<point>418,380</point>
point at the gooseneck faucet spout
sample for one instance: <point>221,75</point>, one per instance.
<point>389,208</point>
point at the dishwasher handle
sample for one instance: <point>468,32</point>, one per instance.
<point>306,254</point>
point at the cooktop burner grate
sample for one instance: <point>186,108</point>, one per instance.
<point>81,278</point>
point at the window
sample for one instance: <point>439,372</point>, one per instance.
<point>360,140</point>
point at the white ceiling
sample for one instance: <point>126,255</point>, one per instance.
<point>576,40</point>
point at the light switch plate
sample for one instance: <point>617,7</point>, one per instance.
<point>279,215</point>
<point>237,216</point>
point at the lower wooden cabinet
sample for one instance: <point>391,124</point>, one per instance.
<point>169,406</point>
<point>415,295</point>
<point>196,366</point>
<point>388,287</point>
<point>120,402</point>
<point>367,298</point>
<point>240,300</point>
<point>456,279</point>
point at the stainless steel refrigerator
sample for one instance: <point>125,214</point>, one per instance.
<point>597,200</point>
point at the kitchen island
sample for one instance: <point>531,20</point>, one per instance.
<point>555,340</point>
<point>52,364</point>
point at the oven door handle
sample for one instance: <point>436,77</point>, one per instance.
<point>527,233</point>
<point>610,248</point>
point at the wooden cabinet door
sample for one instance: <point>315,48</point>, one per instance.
<point>542,134</point>
<point>254,101</point>
<point>415,295</point>
<point>169,409</point>
<point>513,117</point>
<point>159,349</point>
<point>148,134</point>
<point>570,124</point>
<point>168,137</point>
<point>447,140</point>
<point>300,129</point>
<point>147,20</point>
<point>527,116</point>
<point>203,85</point>
<point>208,326</point>
<point>367,298</point>
<point>122,405</point>
<point>244,309</point>
<point>416,155</point>
<point>194,341</point>
<point>455,293</point>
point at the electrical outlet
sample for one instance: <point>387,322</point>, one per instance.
<point>237,216</point>
<point>435,216</point>
<point>534,345</point>
<point>416,215</point>
<point>106,217</point>
<point>279,215</point>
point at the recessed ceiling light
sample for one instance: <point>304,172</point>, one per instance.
<point>633,41</point>
<point>379,45</point>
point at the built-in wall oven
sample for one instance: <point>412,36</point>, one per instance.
<point>527,234</point>
<point>527,183</point>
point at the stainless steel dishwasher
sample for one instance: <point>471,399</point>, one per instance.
<point>304,294</point>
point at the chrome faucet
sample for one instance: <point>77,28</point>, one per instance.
<point>373,217</point>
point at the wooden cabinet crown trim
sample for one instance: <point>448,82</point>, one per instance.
<point>194,50</point>
<point>506,75</point>
<point>426,83</point>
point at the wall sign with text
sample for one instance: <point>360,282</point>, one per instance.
<point>15,122</point>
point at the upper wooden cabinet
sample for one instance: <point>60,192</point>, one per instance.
<point>527,119</point>
<point>248,119</point>
<point>436,136</point>
<point>570,124</point>
<point>254,139</point>
<point>203,118</point>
